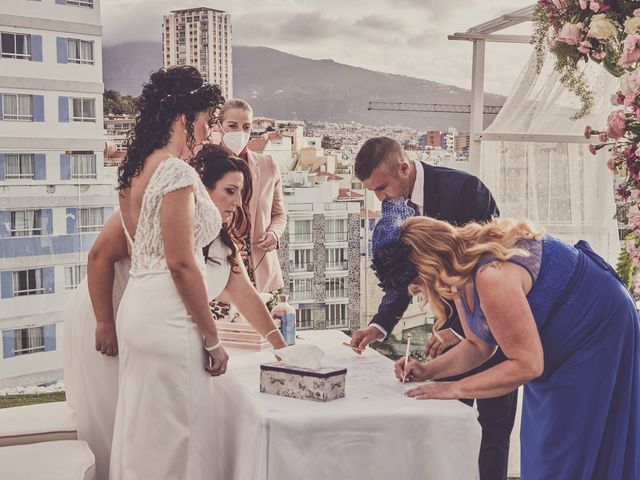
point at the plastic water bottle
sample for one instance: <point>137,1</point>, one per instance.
<point>287,316</point>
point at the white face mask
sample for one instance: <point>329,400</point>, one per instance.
<point>236,141</point>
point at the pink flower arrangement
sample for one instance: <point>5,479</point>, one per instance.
<point>607,33</point>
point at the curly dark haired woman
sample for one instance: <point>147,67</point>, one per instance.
<point>164,320</point>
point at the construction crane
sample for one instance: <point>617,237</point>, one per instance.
<point>431,107</point>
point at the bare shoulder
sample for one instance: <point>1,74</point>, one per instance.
<point>497,276</point>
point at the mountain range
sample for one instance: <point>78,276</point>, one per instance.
<point>284,86</point>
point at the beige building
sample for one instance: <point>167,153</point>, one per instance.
<point>200,37</point>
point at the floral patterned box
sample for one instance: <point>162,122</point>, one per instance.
<point>285,380</point>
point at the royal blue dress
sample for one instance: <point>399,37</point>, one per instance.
<point>580,418</point>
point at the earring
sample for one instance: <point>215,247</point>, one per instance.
<point>185,130</point>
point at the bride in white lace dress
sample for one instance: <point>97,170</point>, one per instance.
<point>164,321</point>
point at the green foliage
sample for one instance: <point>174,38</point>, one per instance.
<point>625,268</point>
<point>9,401</point>
<point>117,104</point>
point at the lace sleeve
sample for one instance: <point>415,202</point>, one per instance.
<point>175,175</point>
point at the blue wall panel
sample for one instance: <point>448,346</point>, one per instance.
<point>49,337</point>
<point>15,247</point>
<point>7,344</point>
<point>6,284</point>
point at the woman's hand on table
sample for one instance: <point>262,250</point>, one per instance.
<point>414,371</point>
<point>436,390</point>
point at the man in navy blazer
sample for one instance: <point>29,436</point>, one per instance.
<point>456,197</point>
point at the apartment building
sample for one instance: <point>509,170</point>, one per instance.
<point>54,197</point>
<point>200,37</point>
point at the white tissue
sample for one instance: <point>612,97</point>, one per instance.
<point>303,355</point>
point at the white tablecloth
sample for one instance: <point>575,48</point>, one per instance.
<point>373,433</point>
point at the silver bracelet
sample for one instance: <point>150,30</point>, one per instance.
<point>211,349</point>
<point>270,332</point>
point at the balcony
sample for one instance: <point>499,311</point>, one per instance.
<point>300,267</point>
<point>335,237</point>
<point>301,295</point>
<point>301,237</point>
<point>341,265</point>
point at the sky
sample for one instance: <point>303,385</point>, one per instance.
<point>407,37</point>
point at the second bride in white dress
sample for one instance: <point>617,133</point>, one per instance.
<point>164,321</point>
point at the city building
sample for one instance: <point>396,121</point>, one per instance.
<point>320,254</point>
<point>116,130</point>
<point>54,196</point>
<point>461,142</point>
<point>200,37</point>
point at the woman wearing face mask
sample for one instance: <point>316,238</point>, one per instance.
<point>266,208</point>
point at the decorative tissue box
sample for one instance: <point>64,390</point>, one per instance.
<point>285,380</point>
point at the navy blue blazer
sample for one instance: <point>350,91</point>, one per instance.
<point>456,197</point>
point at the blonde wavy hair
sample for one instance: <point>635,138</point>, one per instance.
<point>445,256</point>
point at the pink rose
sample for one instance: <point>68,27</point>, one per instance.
<point>630,51</point>
<point>602,136</point>
<point>595,6</point>
<point>585,47</point>
<point>592,149</point>
<point>635,195</point>
<point>633,217</point>
<point>611,164</point>
<point>637,150</point>
<point>616,124</point>
<point>636,12</point>
<point>570,34</point>
<point>560,4</point>
<point>598,55</point>
<point>587,132</point>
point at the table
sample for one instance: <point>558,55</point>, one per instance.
<point>372,433</point>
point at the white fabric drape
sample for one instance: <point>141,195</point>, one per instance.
<point>560,187</point>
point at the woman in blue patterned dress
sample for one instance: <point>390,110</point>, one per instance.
<point>567,324</point>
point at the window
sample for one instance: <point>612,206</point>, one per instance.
<point>15,45</point>
<point>336,230</point>
<point>83,165</point>
<point>27,282</point>
<point>17,107</point>
<point>336,259</point>
<point>90,220</point>
<point>79,51</point>
<point>301,289</point>
<point>73,275</point>
<point>302,260</point>
<point>28,340</point>
<point>303,318</point>
<point>25,223</point>
<point>337,315</point>
<point>81,3</point>
<point>334,288</point>
<point>19,165</point>
<point>83,110</point>
<point>301,231</point>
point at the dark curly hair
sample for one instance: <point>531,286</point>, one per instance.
<point>169,92</point>
<point>212,163</point>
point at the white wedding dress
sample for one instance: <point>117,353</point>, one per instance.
<point>90,378</point>
<point>162,424</point>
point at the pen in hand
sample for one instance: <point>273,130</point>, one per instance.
<point>406,358</point>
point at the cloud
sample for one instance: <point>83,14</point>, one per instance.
<point>400,36</point>
<point>379,22</point>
